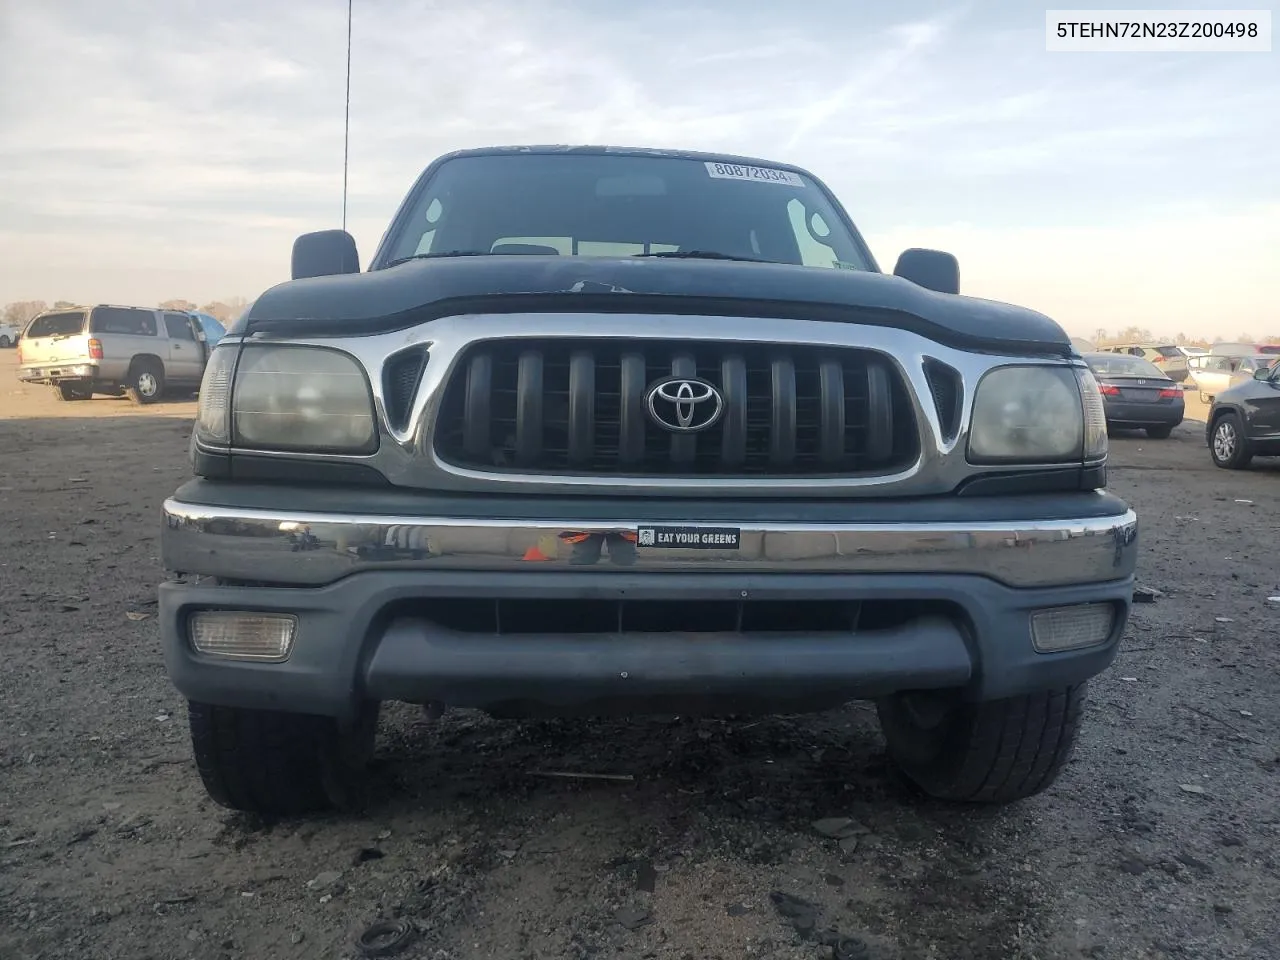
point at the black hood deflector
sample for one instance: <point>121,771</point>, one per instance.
<point>411,293</point>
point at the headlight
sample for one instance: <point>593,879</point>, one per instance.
<point>287,398</point>
<point>1028,414</point>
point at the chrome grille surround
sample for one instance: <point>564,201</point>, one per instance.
<point>407,455</point>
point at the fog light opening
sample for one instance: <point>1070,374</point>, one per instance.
<point>1071,628</point>
<point>242,635</point>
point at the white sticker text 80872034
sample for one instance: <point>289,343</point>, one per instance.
<point>737,171</point>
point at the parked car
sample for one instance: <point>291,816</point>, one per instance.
<point>212,327</point>
<point>1136,394</point>
<point>1245,349</point>
<point>1214,373</point>
<point>1167,356</point>
<point>1244,421</point>
<point>616,431</point>
<point>9,334</point>
<point>114,350</point>
<point>1084,346</point>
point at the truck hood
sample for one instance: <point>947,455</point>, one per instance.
<point>421,290</point>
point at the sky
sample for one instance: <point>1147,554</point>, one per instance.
<point>170,148</point>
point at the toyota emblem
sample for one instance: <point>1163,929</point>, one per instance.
<point>684,404</point>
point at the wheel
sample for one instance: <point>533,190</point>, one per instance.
<point>1160,431</point>
<point>73,391</point>
<point>5,342</point>
<point>1228,446</point>
<point>1205,398</point>
<point>280,764</point>
<point>993,752</point>
<point>145,381</point>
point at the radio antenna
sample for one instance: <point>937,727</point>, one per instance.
<point>346,123</point>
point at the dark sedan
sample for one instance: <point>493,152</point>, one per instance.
<point>1244,420</point>
<point>1137,395</point>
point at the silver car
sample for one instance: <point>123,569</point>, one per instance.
<point>1214,373</point>
<point>136,351</point>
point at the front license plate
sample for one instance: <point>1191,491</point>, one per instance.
<point>693,538</point>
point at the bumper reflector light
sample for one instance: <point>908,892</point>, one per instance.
<point>241,635</point>
<point>1070,628</point>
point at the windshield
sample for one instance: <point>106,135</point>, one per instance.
<point>617,206</point>
<point>1121,365</point>
<point>56,325</point>
<point>213,330</point>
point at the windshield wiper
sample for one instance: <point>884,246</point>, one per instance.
<point>440,254</point>
<point>702,255</point>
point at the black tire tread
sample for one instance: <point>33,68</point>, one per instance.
<point>263,761</point>
<point>1002,750</point>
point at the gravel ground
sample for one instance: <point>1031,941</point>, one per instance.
<point>1160,840</point>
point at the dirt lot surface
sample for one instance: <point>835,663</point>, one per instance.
<point>1162,839</point>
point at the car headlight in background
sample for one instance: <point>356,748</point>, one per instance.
<point>1031,414</point>
<point>288,398</point>
<point>1096,442</point>
<point>213,424</point>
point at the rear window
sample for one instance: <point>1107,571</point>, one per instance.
<point>1121,365</point>
<point>1169,351</point>
<point>56,325</point>
<point>139,323</point>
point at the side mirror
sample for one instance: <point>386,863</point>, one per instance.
<point>325,253</point>
<point>931,269</point>
<point>1263,373</point>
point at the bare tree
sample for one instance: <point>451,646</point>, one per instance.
<point>218,310</point>
<point>63,304</point>
<point>177,305</point>
<point>20,312</point>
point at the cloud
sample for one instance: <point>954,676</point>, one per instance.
<point>183,142</point>
<point>1191,270</point>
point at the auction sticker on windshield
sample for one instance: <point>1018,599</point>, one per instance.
<point>696,538</point>
<point>736,171</point>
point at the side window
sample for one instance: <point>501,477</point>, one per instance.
<point>124,320</point>
<point>178,327</point>
<point>808,229</point>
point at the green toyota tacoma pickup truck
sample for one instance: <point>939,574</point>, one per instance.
<point>608,431</point>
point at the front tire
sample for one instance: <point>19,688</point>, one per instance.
<point>5,342</point>
<point>1227,444</point>
<point>145,381</point>
<point>1160,432</point>
<point>280,764</point>
<point>995,752</point>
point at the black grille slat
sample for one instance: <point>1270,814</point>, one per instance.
<point>782,420</point>
<point>733,384</point>
<point>879,412</point>
<point>831,424</point>
<point>582,407</point>
<point>631,416</point>
<point>578,405</point>
<point>529,397</point>
<point>478,416</point>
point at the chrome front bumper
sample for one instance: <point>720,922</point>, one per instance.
<point>313,549</point>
